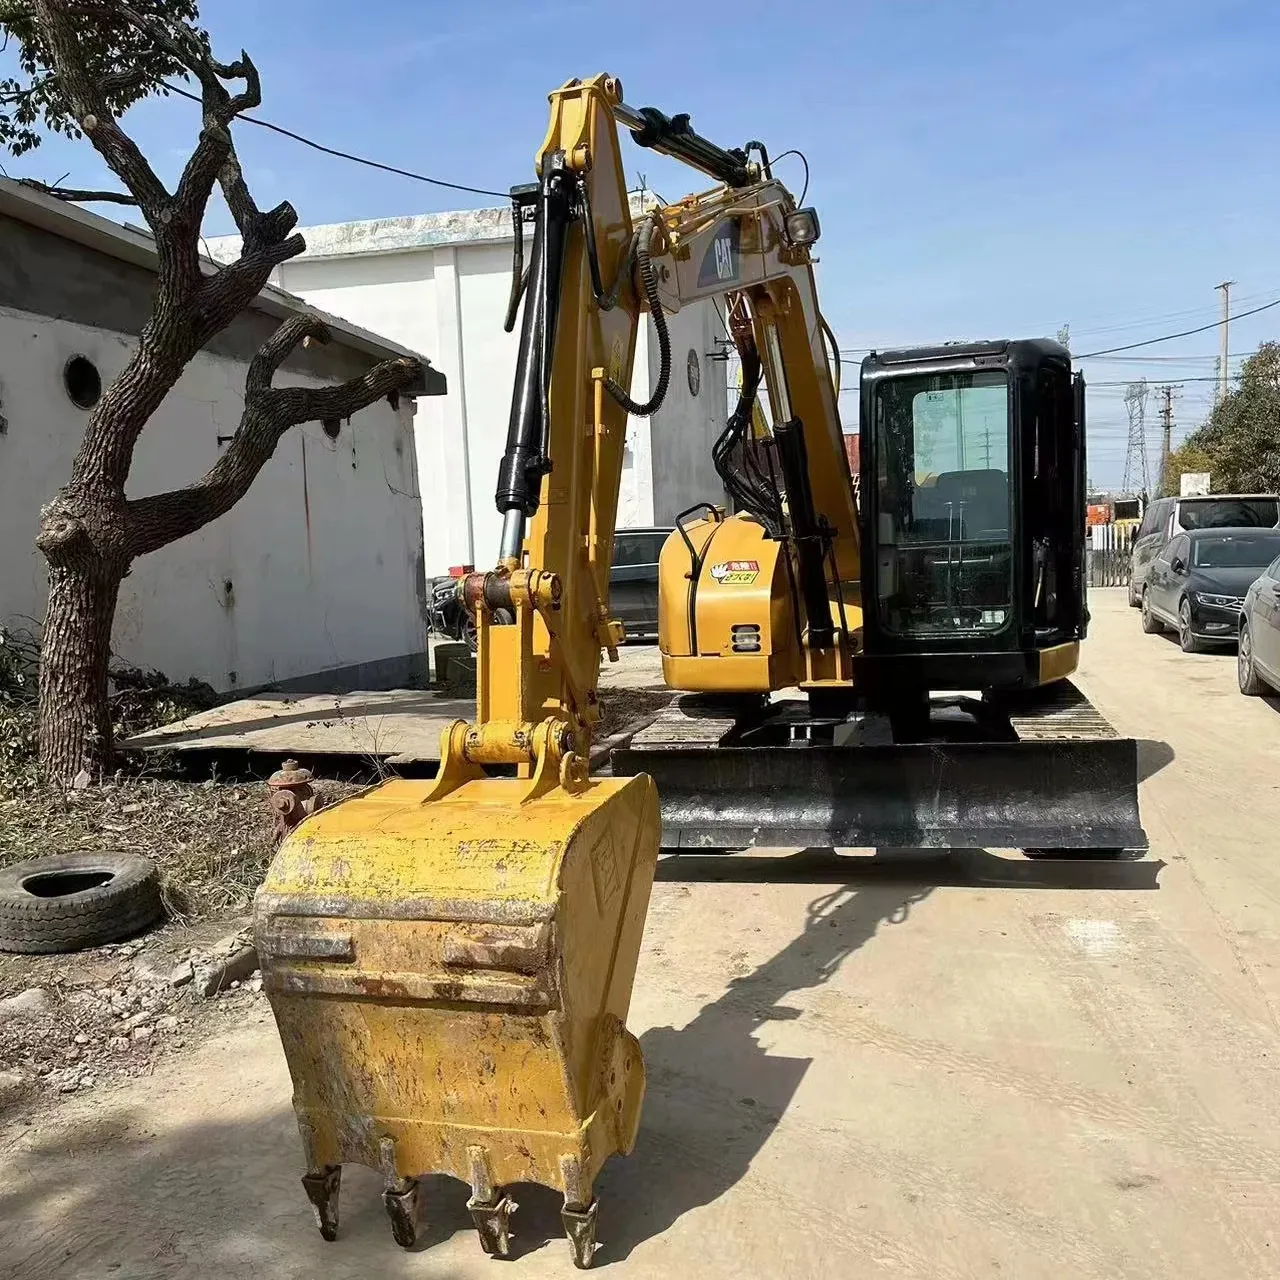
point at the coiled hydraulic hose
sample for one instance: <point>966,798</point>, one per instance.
<point>649,282</point>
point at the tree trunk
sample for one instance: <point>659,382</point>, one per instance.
<point>75,716</point>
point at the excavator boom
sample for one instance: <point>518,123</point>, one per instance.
<point>450,962</point>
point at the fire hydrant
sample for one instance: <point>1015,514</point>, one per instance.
<point>292,797</point>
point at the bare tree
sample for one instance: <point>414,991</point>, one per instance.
<point>90,533</point>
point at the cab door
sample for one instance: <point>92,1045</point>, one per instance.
<point>1052,523</point>
<point>1151,540</point>
<point>1170,569</point>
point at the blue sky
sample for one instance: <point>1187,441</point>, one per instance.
<point>981,168</point>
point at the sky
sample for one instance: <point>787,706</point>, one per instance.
<point>981,168</point>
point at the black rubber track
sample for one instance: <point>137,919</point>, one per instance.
<point>118,908</point>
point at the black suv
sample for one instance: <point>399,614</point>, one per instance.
<point>1198,583</point>
<point>633,580</point>
<point>1166,517</point>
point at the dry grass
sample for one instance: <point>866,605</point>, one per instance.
<point>212,841</point>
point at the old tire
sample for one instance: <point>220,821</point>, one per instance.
<point>76,900</point>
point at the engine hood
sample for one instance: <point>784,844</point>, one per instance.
<point>1225,582</point>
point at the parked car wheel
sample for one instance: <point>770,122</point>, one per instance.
<point>1251,683</point>
<point>1135,600</point>
<point>1187,641</point>
<point>467,627</point>
<point>1151,625</point>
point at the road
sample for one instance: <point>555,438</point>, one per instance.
<point>942,1067</point>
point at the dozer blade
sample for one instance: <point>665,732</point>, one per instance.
<point>451,978</point>
<point>1061,796</point>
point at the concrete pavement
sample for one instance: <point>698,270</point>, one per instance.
<point>938,1067</point>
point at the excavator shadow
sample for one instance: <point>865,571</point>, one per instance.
<point>935,868</point>
<point>715,1093</point>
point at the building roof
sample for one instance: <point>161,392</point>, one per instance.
<point>398,235</point>
<point>131,244</point>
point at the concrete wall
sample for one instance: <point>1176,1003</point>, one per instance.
<point>450,300</point>
<point>318,567</point>
<point>683,433</point>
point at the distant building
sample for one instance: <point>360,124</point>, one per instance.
<point>315,579</point>
<point>440,282</point>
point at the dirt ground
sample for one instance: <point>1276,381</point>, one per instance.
<point>938,1067</point>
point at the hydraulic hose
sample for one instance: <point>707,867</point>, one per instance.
<point>649,282</point>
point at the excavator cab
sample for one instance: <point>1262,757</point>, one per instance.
<point>973,516</point>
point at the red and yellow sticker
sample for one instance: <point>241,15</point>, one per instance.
<point>735,572</point>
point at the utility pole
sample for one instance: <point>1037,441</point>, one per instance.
<point>1225,286</point>
<point>1166,434</point>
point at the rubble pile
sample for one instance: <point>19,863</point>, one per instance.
<point>110,1012</point>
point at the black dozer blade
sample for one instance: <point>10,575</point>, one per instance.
<point>1064,795</point>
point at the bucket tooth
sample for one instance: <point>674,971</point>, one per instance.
<point>493,1224</point>
<point>490,1210</point>
<point>580,1227</point>
<point>322,1187</point>
<point>400,1200</point>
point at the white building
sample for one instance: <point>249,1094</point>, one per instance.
<point>315,579</point>
<point>440,283</point>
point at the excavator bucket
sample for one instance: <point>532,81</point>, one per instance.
<point>450,965</point>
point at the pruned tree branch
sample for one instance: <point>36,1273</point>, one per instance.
<point>269,413</point>
<point>190,307</point>
<point>88,104</point>
<point>276,350</point>
<point>188,48</point>
<point>74,195</point>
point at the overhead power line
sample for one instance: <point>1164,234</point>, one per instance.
<point>1169,337</point>
<point>347,155</point>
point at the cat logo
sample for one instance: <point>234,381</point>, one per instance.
<point>720,264</point>
<point>740,573</point>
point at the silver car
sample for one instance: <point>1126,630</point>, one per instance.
<point>1258,656</point>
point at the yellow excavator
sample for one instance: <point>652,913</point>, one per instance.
<point>450,962</point>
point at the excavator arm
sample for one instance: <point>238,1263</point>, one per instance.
<point>450,962</point>
<point>592,272</point>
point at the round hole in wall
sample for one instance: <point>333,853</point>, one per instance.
<point>332,426</point>
<point>82,381</point>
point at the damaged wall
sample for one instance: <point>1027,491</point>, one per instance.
<point>315,577</point>
<point>440,283</point>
